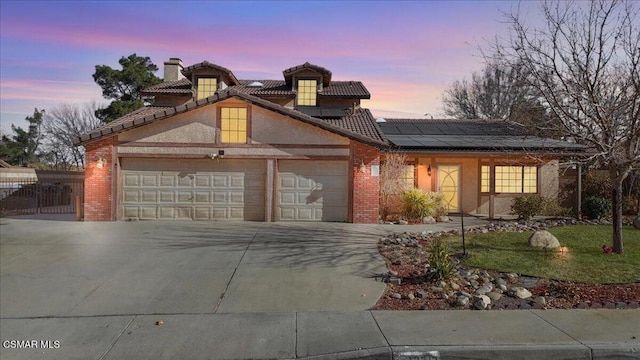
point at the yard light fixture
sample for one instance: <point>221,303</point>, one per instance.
<point>429,170</point>
<point>363,168</point>
<point>100,163</point>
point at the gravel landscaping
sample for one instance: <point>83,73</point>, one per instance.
<point>409,288</point>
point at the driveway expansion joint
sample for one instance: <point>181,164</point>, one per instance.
<point>117,338</point>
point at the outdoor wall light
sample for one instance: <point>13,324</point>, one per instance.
<point>429,170</point>
<point>363,168</point>
<point>100,163</point>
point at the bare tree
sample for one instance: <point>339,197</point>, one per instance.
<point>61,125</point>
<point>392,182</point>
<point>584,61</point>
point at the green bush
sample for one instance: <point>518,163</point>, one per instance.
<point>596,207</point>
<point>416,204</point>
<point>527,206</point>
<point>441,266</point>
<point>596,184</point>
<point>551,207</point>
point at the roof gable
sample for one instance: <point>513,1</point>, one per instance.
<point>189,71</point>
<point>150,114</point>
<point>324,73</point>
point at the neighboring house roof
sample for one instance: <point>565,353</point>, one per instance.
<point>428,135</point>
<point>4,164</point>
<point>152,114</point>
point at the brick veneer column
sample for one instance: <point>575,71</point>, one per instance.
<point>366,188</point>
<point>98,182</point>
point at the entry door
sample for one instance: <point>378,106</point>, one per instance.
<point>449,185</point>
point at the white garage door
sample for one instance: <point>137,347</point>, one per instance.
<point>193,189</point>
<point>312,190</point>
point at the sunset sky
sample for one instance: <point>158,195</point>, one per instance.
<point>406,53</point>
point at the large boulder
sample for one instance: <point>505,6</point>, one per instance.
<point>636,223</point>
<point>544,240</point>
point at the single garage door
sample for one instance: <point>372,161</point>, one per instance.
<point>193,189</point>
<point>312,190</point>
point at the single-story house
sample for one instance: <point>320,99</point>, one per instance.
<point>213,147</point>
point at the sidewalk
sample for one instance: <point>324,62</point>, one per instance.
<point>524,334</point>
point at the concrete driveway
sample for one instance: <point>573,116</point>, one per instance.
<point>60,268</point>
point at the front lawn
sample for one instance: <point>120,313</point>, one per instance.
<point>583,261</point>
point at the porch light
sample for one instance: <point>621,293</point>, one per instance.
<point>429,170</point>
<point>100,163</point>
<point>363,168</point>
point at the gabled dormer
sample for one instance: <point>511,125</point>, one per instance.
<point>207,78</point>
<point>307,81</point>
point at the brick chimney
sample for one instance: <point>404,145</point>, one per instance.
<point>173,70</point>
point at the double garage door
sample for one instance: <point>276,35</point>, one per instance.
<point>233,190</point>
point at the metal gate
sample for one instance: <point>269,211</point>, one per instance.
<point>29,191</point>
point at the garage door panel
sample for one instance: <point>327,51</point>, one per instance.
<point>203,181</point>
<point>131,195</point>
<point>202,197</point>
<point>312,190</point>
<point>167,181</point>
<point>149,196</point>
<point>193,189</point>
<point>148,212</point>
<point>131,179</point>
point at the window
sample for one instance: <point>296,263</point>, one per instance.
<point>408,177</point>
<point>206,87</point>
<point>307,92</point>
<point>485,178</point>
<point>510,179</point>
<point>233,125</point>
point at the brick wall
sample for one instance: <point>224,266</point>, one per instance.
<point>366,188</point>
<point>98,182</point>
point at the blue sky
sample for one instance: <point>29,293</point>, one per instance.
<point>406,53</point>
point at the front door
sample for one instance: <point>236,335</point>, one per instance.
<point>449,185</point>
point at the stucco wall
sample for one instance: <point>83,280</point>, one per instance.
<point>272,128</point>
<point>196,126</point>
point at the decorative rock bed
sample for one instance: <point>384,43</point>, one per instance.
<point>408,286</point>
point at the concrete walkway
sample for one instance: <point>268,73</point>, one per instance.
<point>525,334</point>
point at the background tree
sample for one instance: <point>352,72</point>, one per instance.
<point>584,61</point>
<point>499,91</point>
<point>60,126</point>
<point>124,86</point>
<point>21,149</point>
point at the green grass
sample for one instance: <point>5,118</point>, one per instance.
<point>583,261</point>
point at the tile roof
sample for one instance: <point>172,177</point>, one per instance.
<point>151,114</point>
<point>361,122</point>
<point>326,74</point>
<point>344,89</point>
<point>205,64</point>
<point>182,86</point>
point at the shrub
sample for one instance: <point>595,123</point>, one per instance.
<point>416,204</point>
<point>551,207</point>
<point>596,207</point>
<point>441,266</point>
<point>596,184</point>
<point>527,206</point>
